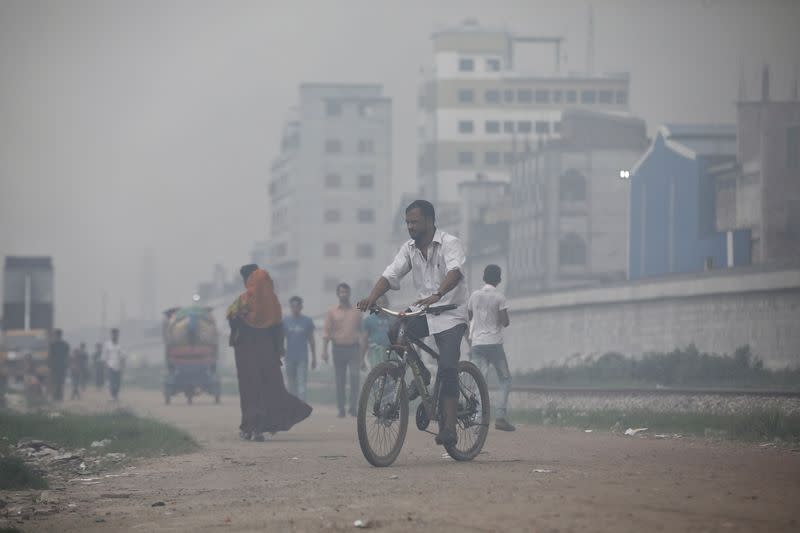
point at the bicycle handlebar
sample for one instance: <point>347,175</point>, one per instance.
<point>435,310</point>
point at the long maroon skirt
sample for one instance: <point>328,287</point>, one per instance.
<point>266,404</point>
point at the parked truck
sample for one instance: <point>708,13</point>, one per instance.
<point>27,322</point>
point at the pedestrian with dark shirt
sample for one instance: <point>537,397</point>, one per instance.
<point>75,374</point>
<point>83,364</point>
<point>58,361</point>
<point>343,330</point>
<point>99,366</point>
<point>299,332</point>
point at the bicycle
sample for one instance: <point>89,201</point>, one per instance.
<point>383,404</point>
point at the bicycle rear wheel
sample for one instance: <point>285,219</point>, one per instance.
<point>383,414</point>
<point>473,413</point>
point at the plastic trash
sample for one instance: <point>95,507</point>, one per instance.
<point>100,443</point>
<point>630,432</point>
<point>362,524</point>
<point>542,471</point>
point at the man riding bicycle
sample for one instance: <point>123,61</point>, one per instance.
<point>436,261</point>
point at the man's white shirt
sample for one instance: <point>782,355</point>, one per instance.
<point>486,304</point>
<point>113,356</point>
<point>445,253</point>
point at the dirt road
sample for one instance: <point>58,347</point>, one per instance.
<point>315,478</point>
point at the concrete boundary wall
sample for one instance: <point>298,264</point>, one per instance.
<point>717,312</point>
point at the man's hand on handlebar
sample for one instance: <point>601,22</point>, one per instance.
<point>365,305</point>
<point>429,301</point>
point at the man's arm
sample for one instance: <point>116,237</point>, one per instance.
<point>381,287</point>
<point>504,321</point>
<point>326,336</point>
<point>313,344</point>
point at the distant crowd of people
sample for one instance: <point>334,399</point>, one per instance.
<point>262,337</point>
<point>106,364</point>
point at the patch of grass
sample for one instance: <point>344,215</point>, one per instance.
<point>15,475</point>
<point>757,425</point>
<point>129,434</point>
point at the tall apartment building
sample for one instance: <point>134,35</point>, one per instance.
<point>477,107</point>
<point>330,191</point>
<point>760,190</point>
<point>569,207</point>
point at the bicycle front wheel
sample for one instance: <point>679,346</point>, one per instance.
<point>474,412</point>
<point>383,414</point>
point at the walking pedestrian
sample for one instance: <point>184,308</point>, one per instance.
<point>488,314</point>
<point>99,366</point>
<point>343,330</point>
<point>257,339</point>
<point>75,374</point>
<point>114,359</point>
<point>58,361</point>
<point>83,365</point>
<point>299,332</point>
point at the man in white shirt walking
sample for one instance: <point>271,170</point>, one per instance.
<point>114,358</point>
<point>435,260</point>
<point>488,314</point>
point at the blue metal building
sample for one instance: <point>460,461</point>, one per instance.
<point>672,225</point>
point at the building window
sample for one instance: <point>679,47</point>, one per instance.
<point>492,126</point>
<point>508,126</point>
<point>466,96</point>
<point>280,250</point>
<point>333,215</point>
<point>524,96</point>
<point>333,181</point>
<point>492,96</point>
<point>465,126</point>
<point>366,146</point>
<point>571,97</point>
<point>572,187</point>
<point>366,110</point>
<point>622,97</point>
<point>366,181</point>
<point>588,97</point>
<point>542,126</point>
<point>542,96</point>
<point>508,158</point>
<point>605,97</point>
<point>333,109</point>
<point>556,127</point>
<point>365,250</point>
<point>572,250</point>
<point>366,215</point>
<point>524,126</point>
<point>466,64</point>
<point>492,64</point>
<point>465,158</point>
<point>492,159</point>
<point>793,147</point>
<point>333,146</point>
<point>557,95</point>
<point>508,96</point>
<point>332,249</point>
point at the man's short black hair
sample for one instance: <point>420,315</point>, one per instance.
<point>58,332</point>
<point>115,330</point>
<point>342,285</point>
<point>246,270</point>
<point>491,274</point>
<point>425,207</point>
<point>297,299</point>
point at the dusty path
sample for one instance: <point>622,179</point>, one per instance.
<point>315,478</point>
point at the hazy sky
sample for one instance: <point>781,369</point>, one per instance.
<point>134,125</point>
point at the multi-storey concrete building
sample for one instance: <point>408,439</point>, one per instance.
<point>760,190</point>
<point>569,207</point>
<point>477,103</point>
<point>330,193</point>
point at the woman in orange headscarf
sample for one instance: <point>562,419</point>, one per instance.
<point>257,338</point>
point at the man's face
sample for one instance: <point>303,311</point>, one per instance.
<point>344,294</point>
<point>416,223</point>
<point>296,307</point>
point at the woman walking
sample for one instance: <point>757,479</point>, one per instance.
<point>257,338</point>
